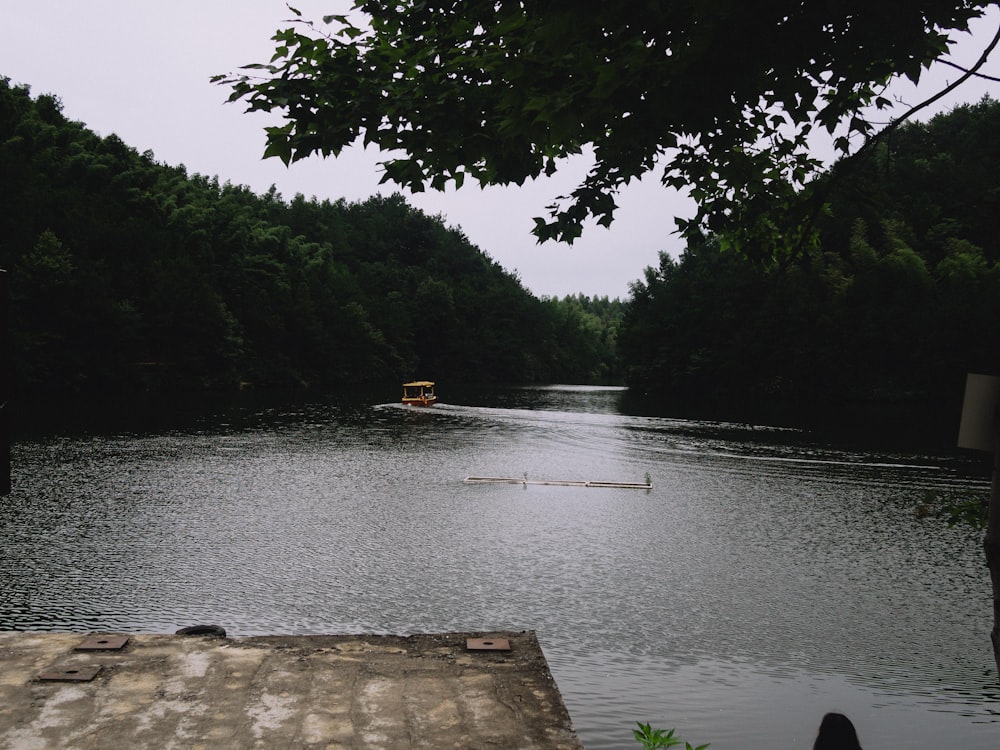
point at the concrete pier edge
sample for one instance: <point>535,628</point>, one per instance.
<point>444,690</point>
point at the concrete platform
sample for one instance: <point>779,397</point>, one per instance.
<point>172,691</point>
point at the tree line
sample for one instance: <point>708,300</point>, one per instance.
<point>128,273</point>
<point>898,300</point>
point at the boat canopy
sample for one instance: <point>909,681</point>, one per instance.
<point>419,392</point>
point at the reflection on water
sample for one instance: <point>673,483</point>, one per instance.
<point>766,579</point>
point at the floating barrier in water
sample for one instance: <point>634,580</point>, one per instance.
<point>560,483</point>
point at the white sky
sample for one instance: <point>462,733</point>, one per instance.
<point>141,70</point>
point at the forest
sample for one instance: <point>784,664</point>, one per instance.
<point>125,273</point>
<point>128,274</point>
<point>898,300</point>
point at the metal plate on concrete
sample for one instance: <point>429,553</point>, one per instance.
<point>487,644</point>
<point>82,673</point>
<point>103,643</point>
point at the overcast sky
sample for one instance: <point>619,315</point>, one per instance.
<point>141,70</point>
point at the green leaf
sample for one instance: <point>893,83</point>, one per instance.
<point>281,149</point>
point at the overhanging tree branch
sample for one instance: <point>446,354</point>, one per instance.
<point>500,92</point>
<point>818,199</point>
<point>930,100</point>
<point>966,70</point>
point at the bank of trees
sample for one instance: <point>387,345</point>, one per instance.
<point>125,272</point>
<point>129,273</point>
<point>899,299</point>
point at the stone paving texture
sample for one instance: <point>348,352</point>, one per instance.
<point>331,692</point>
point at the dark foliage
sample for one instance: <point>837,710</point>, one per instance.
<point>128,273</point>
<point>900,300</point>
<point>497,92</point>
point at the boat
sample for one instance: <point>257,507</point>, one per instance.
<point>419,393</point>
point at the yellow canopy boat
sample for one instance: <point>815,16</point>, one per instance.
<point>419,393</point>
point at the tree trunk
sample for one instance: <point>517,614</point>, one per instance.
<point>4,388</point>
<point>992,546</point>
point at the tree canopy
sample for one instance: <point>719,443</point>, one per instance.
<point>724,95</point>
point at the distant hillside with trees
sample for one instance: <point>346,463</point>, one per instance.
<point>900,300</point>
<point>126,273</point>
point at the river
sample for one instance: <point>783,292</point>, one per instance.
<point>769,576</point>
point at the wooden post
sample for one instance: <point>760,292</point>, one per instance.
<point>991,544</point>
<point>980,430</point>
<point>5,485</point>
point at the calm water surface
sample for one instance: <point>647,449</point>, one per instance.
<point>768,576</point>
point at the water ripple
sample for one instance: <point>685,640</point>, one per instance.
<point>765,569</point>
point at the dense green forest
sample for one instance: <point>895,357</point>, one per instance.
<point>898,302</point>
<point>125,273</point>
